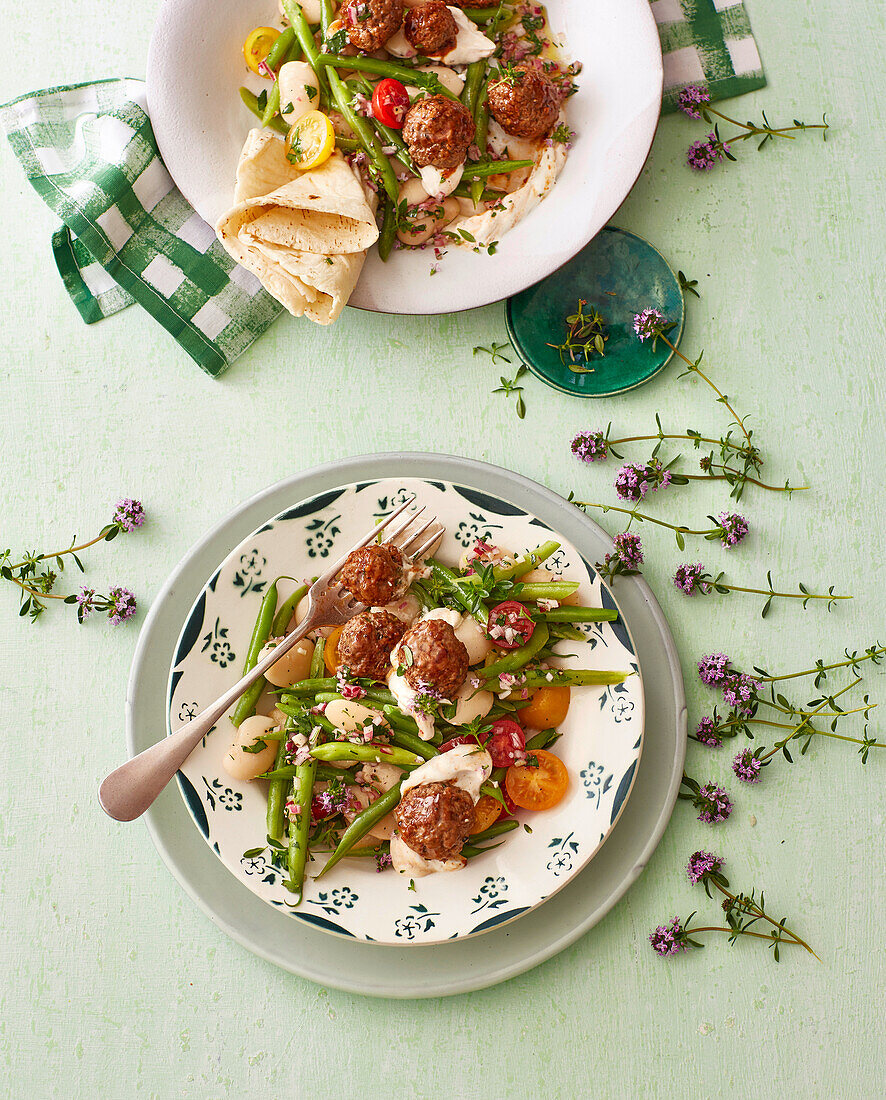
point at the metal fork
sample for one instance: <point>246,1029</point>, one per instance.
<point>129,790</point>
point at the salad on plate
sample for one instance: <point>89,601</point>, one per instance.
<point>420,732</point>
<point>408,124</point>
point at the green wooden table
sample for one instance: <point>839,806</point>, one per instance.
<point>113,983</point>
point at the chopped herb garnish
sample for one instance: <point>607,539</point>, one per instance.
<point>256,746</point>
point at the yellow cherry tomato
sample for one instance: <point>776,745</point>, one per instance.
<point>539,785</point>
<point>547,708</point>
<point>330,651</point>
<point>310,141</point>
<point>486,813</point>
<point>258,45</point>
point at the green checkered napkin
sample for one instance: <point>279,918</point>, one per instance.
<point>709,43</point>
<point>128,235</point>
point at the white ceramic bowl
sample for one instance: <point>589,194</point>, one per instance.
<point>195,67</point>
<point>600,744</point>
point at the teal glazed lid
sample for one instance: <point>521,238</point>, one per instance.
<point>619,274</point>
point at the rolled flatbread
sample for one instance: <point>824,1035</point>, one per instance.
<point>304,234</point>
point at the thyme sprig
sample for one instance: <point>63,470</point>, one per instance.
<point>37,574</point>
<point>746,695</point>
<point>680,531</point>
<point>742,910</point>
<point>738,462</point>
<point>692,578</point>
<point>694,101</point>
<point>585,336</point>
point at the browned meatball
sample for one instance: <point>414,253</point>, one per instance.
<point>524,102</point>
<point>435,658</point>
<point>366,641</point>
<point>430,29</point>
<point>374,574</point>
<point>438,132</point>
<point>370,23</point>
<point>435,819</point>
<point>474,3</point>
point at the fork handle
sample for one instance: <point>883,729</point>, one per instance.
<point>129,790</point>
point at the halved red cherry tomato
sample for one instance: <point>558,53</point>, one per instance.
<point>510,625</point>
<point>506,743</point>
<point>539,786</point>
<point>390,102</point>
<point>460,740</point>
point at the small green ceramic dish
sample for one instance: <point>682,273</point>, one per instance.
<point>618,274</point>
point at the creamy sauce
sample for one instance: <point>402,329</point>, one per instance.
<point>465,765</point>
<point>470,43</point>
<point>407,861</point>
<point>493,224</point>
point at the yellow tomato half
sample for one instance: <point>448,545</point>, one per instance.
<point>539,785</point>
<point>310,141</point>
<point>258,45</point>
<point>547,708</point>
<point>330,651</point>
<point>486,813</point>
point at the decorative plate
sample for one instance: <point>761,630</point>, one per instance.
<point>195,67</point>
<point>601,743</point>
<point>618,274</point>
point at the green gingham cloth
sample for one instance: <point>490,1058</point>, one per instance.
<point>709,43</point>
<point>128,235</point>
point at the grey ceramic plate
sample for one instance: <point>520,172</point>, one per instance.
<point>441,969</point>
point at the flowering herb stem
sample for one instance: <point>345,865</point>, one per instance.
<point>875,653</point>
<point>707,532</point>
<point>691,579</point>
<point>694,368</point>
<point>805,724</point>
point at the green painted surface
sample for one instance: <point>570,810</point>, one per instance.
<point>113,984</point>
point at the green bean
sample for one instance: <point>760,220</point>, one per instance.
<point>388,232</point>
<point>346,144</point>
<point>473,79</point>
<point>517,658</point>
<point>399,720</point>
<point>273,104</point>
<point>251,102</point>
<point>326,17</point>
<point>361,825</point>
<point>323,772</point>
<point>495,167</point>
<point>260,634</point>
<point>489,14</point>
<point>287,608</point>
<point>522,565</point>
<point>481,132</point>
<point>542,740</point>
<point>313,684</point>
<point>497,829</point>
<point>318,666</point>
<point>304,34</point>
<point>470,851</point>
<point>414,744</point>
<point>562,677</point>
<point>278,52</point>
<point>297,856</point>
<point>465,191</point>
<point>569,614</point>
<point>530,591</point>
<point>429,81</point>
<point>560,631</point>
<point>450,580</point>
<point>277,796</point>
<point>368,754</point>
<point>364,132</point>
